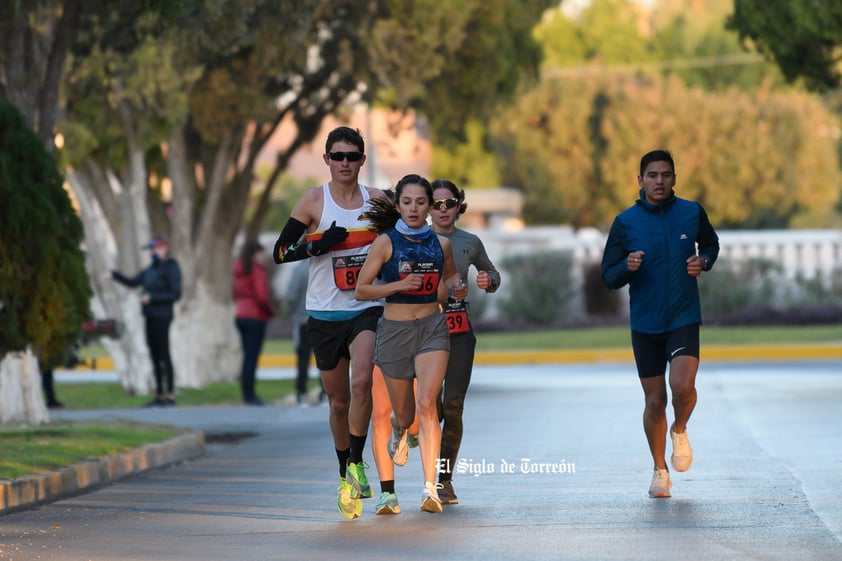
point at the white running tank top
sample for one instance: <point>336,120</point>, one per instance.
<point>323,295</point>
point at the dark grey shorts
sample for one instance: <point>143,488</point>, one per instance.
<point>399,342</point>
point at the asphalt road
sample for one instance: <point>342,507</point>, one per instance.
<point>766,482</point>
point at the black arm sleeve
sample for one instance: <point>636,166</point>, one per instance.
<point>287,248</point>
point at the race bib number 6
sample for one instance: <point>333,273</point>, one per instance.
<point>346,269</point>
<point>429,271</point>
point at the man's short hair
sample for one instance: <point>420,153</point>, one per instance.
<point>656,156</point>
<point>345,134</point>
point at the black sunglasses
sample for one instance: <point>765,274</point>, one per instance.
<point>441,204</point>
<point>339,156</point>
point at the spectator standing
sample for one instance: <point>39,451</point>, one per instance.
<point>161,289</point>
<point>253,310</point>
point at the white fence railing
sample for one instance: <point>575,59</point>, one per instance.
<point>808,253</point>
<point>805,253</point>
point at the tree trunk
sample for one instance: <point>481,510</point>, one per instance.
<point>205,345</point>
<point>129,350</point>
<point>20,391</point>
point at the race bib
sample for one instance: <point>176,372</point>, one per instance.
<point>456,313</point>
<point>428,269</point>
<point>346,270</point>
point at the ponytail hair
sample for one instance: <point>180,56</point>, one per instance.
<point>383,214</point>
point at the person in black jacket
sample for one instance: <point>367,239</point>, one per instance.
<point>161,282</point>
<point>659,247</point>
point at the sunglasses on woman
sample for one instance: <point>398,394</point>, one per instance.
<point>441,204</point>
<point>351,156</point>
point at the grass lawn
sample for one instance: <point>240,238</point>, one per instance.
<point>28,451</point>
<point>100,395</point>
<point>619,337</point>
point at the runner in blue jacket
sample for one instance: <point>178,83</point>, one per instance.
<point>659,247</point>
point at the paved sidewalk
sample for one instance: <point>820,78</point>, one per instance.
<point>766,482</point>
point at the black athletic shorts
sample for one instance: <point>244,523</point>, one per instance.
<point>652,351</point>
<point>331,339</point>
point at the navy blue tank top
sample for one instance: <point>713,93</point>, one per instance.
<point>424,257</point>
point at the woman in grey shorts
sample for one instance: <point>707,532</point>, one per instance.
<point>415,269</point>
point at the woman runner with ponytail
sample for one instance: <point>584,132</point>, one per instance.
<point>415,269</point>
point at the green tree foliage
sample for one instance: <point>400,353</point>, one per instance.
<point>235,70</point>
<point>492,53</point>
<point>467,164</point>
<point>619,37</point>
<point>179,99</point>
<point>804,37</point>
<point>605,32</point>
<point>487,49</point>
<point>574,146</point>
<point>44,289</point>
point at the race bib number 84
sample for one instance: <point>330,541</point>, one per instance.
<point>346,269</point>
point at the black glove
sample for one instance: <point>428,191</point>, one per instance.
<point>332,236</point>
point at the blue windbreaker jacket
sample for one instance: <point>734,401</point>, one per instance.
<point>662,296</point>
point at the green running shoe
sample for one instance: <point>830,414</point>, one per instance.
<point>412,440</point>
<point>355,476</point>
<point>348,506</point>
<point>388,504</point>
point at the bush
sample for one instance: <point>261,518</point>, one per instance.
<point>540,287</point>
<point>734,285</point>
<point>755,289</point>
<point>44,289</point>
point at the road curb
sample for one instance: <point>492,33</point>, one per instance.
<point>34,490</point>
<point>736,352</point>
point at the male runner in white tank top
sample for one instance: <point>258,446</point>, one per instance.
<point>341,329</point>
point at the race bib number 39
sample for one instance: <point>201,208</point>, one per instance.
<point>457,317</point>
<point>346,269</point>
<point>430,275</point>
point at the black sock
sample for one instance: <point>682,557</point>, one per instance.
<point>387,486</point>
<point>357,447</point>
<point>343,461</point>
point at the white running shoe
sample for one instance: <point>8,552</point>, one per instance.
<point>430,501</point>
<point>661,484</point>
<point>682,454</point>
